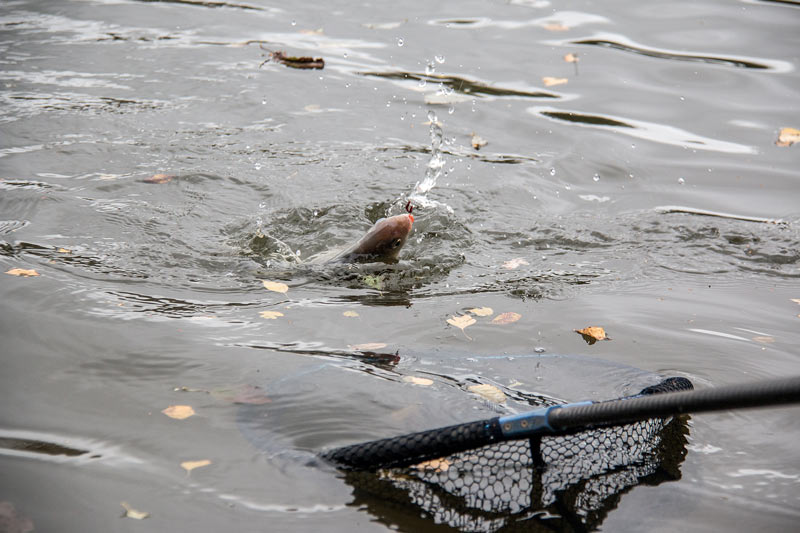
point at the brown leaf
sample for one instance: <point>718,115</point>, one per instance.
<point>367,346</point>
<point>179,412</point>
<point>191,465</point>
<point>304,62</point>
<point>788,136</point>
<point>489,392</point>
<point>764,340</point>
<point>130,512</point>
<point>511,264</point>
<point>478,142</point>
<point>275,286</point>
<point>506,318</point>
<point>593,334</point>
<point>22,272</point>
<point>159,178</point>
<point>481,311</point>
<point>270,315</point>
<point>549,81</point>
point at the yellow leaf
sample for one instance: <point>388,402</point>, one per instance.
<point>351,314</point>
<point>506,318</point>
<point>64,251</point>
<point>418,381</point>
<point>22,272</point>
<point>481,311</point>
<point>191,465</point>
<point>593,334</point>
<point>489,392</point>
<point>478,142</point>
<point>275,286</point>
<point>555,26</point>
<point>439,465</point>
<point>549,81</point>
<point>461,322</point>
<point>367,347</point>
<point>159,178</point>
<point>796,300</point>
<point>571,58</point>
<point>511,264</point>
<point>179,412</point>
<point>270,315</point>
<point>317,31</point>
<point>788,136</point>
<point>130,512</point>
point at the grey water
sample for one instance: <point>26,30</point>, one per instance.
<point>150,288</point>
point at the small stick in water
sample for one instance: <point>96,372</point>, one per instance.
<point>705,212</point>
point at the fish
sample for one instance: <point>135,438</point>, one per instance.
<point>381,244</point>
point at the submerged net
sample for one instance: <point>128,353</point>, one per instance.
<point>547,483</point>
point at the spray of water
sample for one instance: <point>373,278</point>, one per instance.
<point>433,170</point>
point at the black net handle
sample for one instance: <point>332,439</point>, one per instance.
<point>560,420</point>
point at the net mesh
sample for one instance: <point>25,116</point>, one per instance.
<point>565,482</point>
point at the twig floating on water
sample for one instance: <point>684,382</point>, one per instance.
<point>707,213</point>
<point>304,62</point>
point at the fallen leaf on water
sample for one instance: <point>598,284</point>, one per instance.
<point>478,142</point>
<point>318,31</point>
<point>511,264</point>
<point>159,178</point>
<point>489,392</point>
<point>788,136</point>
<point>179,412</point>
<point>439,465</point>
<point>506,318</point>
<point>270,315</point>
<point>304,62</point>
<point>351,314</point>
<point>64,251</point>
<point>130,512</point>
<point>461,322</point>
<point>367,346</point>
<point>191,465</point>
<point>571,58</point>
<point>481,311</point>
<point>796,300</point>
<point>549,81</point>
<point>275,286</point>
<point>555,26</point>
<point>312,108</point>
<point>22,272</point>
<point>764,340</point>
<point>375,282</point>
<point>593,334</point>
<point>418,381</point>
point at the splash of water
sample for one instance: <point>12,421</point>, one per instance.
<point>433,170</point>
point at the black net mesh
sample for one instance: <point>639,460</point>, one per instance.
<point>549,483</point>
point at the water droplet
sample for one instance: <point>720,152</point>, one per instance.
<point>568,187</point>
<point>432,116</point>
<point>439,59</point>
<point>539,349</point>
<point>682,99</point>
<point>257,166</point>
<point>681,181</point>
<point>345,55</point>
<point>451,109</point>
<point>596,177</point>
<point>633,146</point>
<point>263,102</point>
<point>294,23</point>
<point>552,172</point>
<point>423,82</point>
<point>399,41</point>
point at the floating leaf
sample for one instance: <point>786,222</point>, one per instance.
<point>571,58</point>
<point>511,264</point>
<point>270,315</point>
<point>64,251</point>
<point>179,412</point>
<point>764,340</point>
<point>351,314</point>
<point>506,318</point>
<point>461,322</point>
<point>489,392</point>
<point>478,142</point>
<point>549,81</point>
<point>481,311</point>
<point>418,381</point>
<point>796,300</point>
<point>304,62</point>
<point>22,272</point>
<point>788,136</point>
<point>130,512</point>
<point>318,31</point>
<point>367,347</point>
<point>191,465</point>
<point>593,334</point>
<point>438,465</point>
<point>375,282</point>
<point>159,178</point>
<point>555,26</point>
<point>275,286</point>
